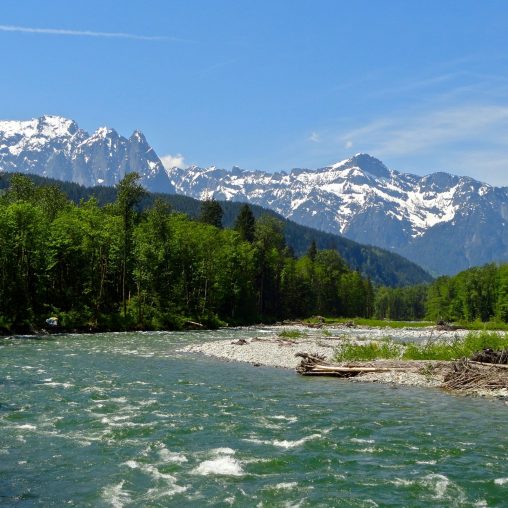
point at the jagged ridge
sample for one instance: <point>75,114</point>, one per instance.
<point>56,147</point>
<point>365,201</point>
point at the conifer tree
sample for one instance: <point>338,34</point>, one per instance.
<point>312,251</point>
<point>211,213</point>
<point>245,223</point>
<point>129,193</point>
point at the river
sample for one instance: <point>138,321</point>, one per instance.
<point>123,419</point>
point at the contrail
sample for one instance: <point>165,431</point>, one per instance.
<point>85,33</point>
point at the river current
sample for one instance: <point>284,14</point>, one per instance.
<point>115,420</point>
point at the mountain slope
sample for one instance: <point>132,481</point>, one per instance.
<point>443,222</point>
<point>381,266</point>
<point>56,147</point>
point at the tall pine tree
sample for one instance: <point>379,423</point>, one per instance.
<point>245,223</point>
<point>211,213</point>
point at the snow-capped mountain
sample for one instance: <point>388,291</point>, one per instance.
<point>443,222</point>
<point>56,147</point>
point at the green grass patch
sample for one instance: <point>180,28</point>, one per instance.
<point>381,323</point>
<point>291,334</point>
<point>368,351</point>
<point>458,348</point>
<point>431,350</point>
<point>485,326</point>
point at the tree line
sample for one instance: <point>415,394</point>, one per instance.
<point>119,267</point>
<point>381,266</point>
<point>476,294</point>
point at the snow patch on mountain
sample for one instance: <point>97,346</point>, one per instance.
<point>56,147</point>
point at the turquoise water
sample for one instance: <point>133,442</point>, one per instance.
<point>125,420</point>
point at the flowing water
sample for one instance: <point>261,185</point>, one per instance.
<point>125,420</point>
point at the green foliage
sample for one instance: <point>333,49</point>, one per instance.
<point>431,350</point>
<point>119,266</point>
<point>459,348</point>
<point>369,322</point>
<point>291,334</point>
<point>211,213</point>
<point>368,351</point>
<point>312,252</point>
<point>381,266</point>
<point>245,224</point>
<point>480,293</point>
<point>406,303</point>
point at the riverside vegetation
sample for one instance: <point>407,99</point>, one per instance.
<point>120,266</point>
<point>115,267</point>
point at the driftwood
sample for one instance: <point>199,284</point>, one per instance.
<point>315,365</point>
<point>468,375</point>
<point>193,325</point>
<point>490,356</point>
<point>239,342</point>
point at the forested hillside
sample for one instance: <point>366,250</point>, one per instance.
<point>480,293</point>
<point>381,266</point>
<point>118,267</point>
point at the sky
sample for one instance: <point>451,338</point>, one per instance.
<point>271,84</point>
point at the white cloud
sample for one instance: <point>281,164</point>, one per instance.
<point>417,133</point>
<point>314,137</point>
<point>171,161</point>
<point>465,139</point>
<point>82,33</point>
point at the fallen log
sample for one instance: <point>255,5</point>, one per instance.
<point>315,365</point>
<point>484,364</point>
<point>333,368</point>
<point>488,355</point>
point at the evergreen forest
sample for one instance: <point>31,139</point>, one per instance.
<point>117,267</point>
<point>125,264</point>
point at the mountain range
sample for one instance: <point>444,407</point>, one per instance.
<point>56,147</point>
<point>380,266</point>
<point>443,222</point>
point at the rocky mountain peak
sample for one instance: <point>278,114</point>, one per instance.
<point>368,164</point>
<point>56,147</point>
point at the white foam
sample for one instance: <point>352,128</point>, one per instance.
<point>54,383</point>
<point>501,481</point>
<point>114,495</point>
<point>168,456</point>
<point>439,482</point>
<point>223,451</point>
<point>289,419</point>
<point>357,440</point>
<point>150,470</point>
<point>293,444</point>
<point>27,426</point>
<point>155,493</point>
<point>225,466</point>
<point>285,485</point>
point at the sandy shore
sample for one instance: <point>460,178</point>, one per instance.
<point>275,351</point>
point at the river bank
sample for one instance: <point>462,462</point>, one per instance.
<point>279,349</point>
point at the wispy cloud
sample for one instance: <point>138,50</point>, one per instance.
<point>414,134</point>
<point>86,33</point>
<point>467,139</point>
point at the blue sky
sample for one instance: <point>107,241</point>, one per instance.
<point>272,84</point>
